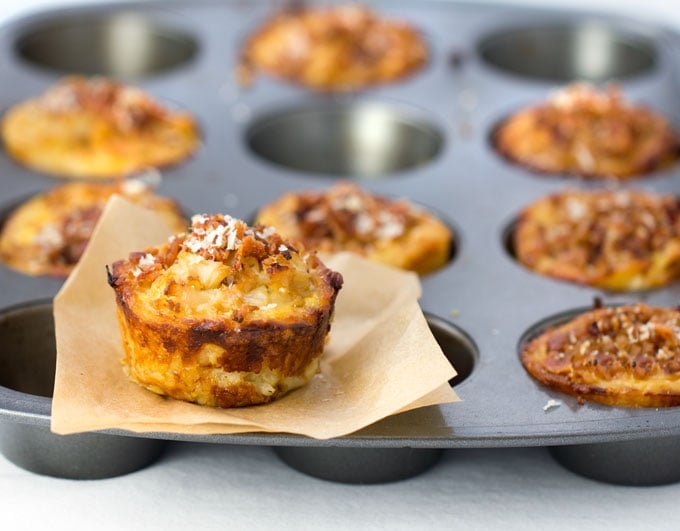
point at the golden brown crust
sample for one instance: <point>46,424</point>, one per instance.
<point>225,315</point>
<point>588,133</point>
<point>337,48</point>
<point>625,356</point>
<point>347,218</point>
<point>47,234</point>
<point>96,128</point>
<point>617,240</point>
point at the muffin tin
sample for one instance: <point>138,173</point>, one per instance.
<point>425,138</point>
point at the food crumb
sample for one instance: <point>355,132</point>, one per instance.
<point>551,404</point>
<point>455,313</point>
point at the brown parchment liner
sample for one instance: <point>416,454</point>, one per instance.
<point>381,359</point>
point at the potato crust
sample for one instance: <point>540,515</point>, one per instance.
<point>590,134</point>
<point>96,128</point>
<point>616,240</point>
<point>224,315</point>
<point>625,356</point>
<point>347,218</point>
<point>47,234</point>
<point>336,48</point>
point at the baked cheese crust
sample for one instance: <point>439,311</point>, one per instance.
<point>625,356</point>
<point>337,48</point>
<point>588,133</point>
<point>223,315</point>
<point>96,128</point>
<point>616,240</point>
<point>347,218</point>
<point>47,234</point>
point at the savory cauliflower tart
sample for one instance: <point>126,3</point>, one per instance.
<point>47,234</point>
<point>334,48</point>
<point>224,314</point>
<point>622,356</point>
<point>589,133</point>
<point>347,218</point>
<point>96,128</point>
<point>617,240</point>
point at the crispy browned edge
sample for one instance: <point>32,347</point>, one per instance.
<point>285,347</point>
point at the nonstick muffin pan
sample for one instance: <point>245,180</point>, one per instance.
<point>425,138</point>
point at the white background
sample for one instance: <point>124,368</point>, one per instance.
<point>201,486</point>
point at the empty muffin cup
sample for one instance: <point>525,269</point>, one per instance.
<point>457,346</point>
<point>123,44</point>
<point>365,140</point>
<point>27,366</point>
<point>587,50</point>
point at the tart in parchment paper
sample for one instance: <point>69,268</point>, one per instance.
<point>225,314</point>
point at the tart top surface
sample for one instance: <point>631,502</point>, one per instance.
<point>619,240</point>
<point>48,233</point>
<point>626,355</point>
<point>223,268</point>
<point>591,133</point>
<point>97,128</point>
<point>333,48</point>
<point>347,218</point>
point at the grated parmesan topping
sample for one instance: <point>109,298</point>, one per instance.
<point>213,235</point>
<point>147,261</point>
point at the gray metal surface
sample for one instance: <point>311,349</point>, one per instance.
<point>494,300</point>
<point>27,364</point>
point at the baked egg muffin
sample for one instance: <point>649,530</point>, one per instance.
<point>47,234</point>
<point>334,48</point>
<point>589,133</point>
<point>347,218</point>
<point>224,314</point>
<point>616,240</point>
<point>96,128</point>
<point>625,356</point>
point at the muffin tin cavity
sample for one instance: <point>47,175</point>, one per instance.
<point>28,350</point>
<point>587,49</point>
<point>456,345</point>
<point>359,465</point>
<point>366,139</point>
<point>638,462</point>
<point>27,366</point>
<point>119,44</point>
